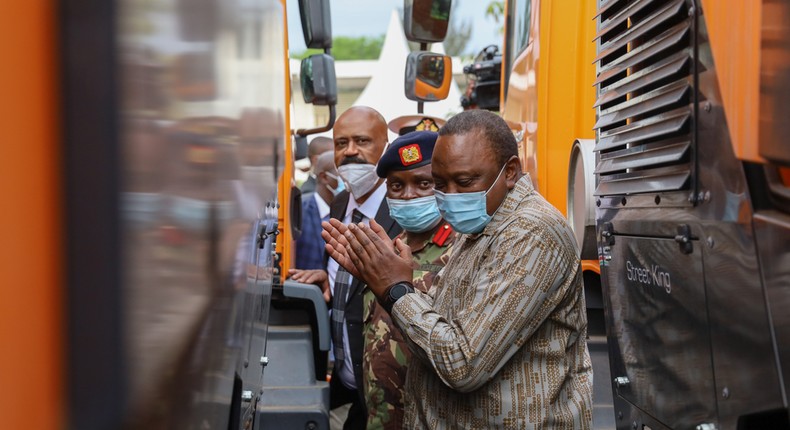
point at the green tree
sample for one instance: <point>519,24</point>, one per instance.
<point>496,10</point>
<point>357,48</point>
<point>458,34</point>
<point>350,48</point>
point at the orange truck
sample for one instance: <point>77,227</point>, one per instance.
<point>659,127</point>
<point>147,168</point>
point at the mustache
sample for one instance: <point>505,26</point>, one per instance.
<point>352,160</point>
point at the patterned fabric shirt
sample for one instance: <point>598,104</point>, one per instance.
<point>499,342</point>
<point>386,356</point>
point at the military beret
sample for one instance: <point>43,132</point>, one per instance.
<point>410,151</point>
<point>408,123</point>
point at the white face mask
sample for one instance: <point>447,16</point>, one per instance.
<point>359,178</point>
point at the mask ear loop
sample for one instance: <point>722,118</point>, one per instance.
<point>497,178</point>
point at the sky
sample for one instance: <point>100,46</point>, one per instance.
<point>370,18</point>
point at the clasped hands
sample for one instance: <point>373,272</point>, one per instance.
<point>368,254</point>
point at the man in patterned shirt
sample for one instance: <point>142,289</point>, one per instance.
<point>501,341</point>
<point>406,164</point>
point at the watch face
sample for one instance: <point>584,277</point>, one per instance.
<point>398,290</point>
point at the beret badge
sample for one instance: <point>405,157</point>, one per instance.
<point>426,124</point>
<point>410,154</point>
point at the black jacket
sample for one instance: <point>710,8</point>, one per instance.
<point>308,186</point>
<point>353,311</point>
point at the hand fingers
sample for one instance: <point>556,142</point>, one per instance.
<point>338,248</point>
<point>379,230</point>
<point>337,255</point>
<point>327,293</point>
<point>382,244</point>
<point>355,252</point>
<point>357,240</point>
<point>332,240</point>
<point>404,252</point>
<point>312,278</point>
<point>337,224</point>
<point>360,234</point>
<point>344,260</point>
<point>332,232</point>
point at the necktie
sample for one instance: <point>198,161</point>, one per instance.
<point>342,285</point>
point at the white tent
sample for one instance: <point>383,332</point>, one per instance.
<point>384,92</point>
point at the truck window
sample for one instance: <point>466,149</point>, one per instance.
<point>518,36</point>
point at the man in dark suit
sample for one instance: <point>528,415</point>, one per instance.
<point>360,135</point>
<point>315,209</point>
<point>318,146</point>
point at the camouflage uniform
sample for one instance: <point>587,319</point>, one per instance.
<point>385,355</point>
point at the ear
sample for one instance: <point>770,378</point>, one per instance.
<point>513,171</point>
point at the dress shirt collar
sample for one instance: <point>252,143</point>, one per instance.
<point>371,206</point>
<point>323,207</point>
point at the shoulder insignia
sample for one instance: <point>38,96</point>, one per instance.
<point>442,234</point>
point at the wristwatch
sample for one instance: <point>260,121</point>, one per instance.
<point>395,292</point>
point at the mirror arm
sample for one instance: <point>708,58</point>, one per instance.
<point>331,123</point>
<point>420,105</point>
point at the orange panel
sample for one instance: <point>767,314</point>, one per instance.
<point>520,108</point>
<point>784,174</point>
<point>30,260</point>
<point>734,28</point>
<point>285,241</point>
<point>565,91</point>
<point>591,266</point>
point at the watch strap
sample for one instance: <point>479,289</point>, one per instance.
<point>388,301</point>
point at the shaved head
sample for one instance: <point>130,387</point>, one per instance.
<point>319,145</point>
<point>325,163</point>
<point>364,110</point>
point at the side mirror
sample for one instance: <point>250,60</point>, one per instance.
<point>428,76</point>
<point>317,76</point>
<point>316,24</point>
<point>319,87</point>
<point>426,21</point>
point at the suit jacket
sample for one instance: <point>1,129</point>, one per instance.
<point>310,253</point>
<point>353,310</point>
<point>308,186</point>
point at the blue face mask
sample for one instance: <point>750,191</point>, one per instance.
<point>415,215</point>
<point>340,184</point>
<point>466,212</point>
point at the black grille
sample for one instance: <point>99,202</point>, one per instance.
<point>645,95</point>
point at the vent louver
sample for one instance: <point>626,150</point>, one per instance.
<point>645,95</point>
